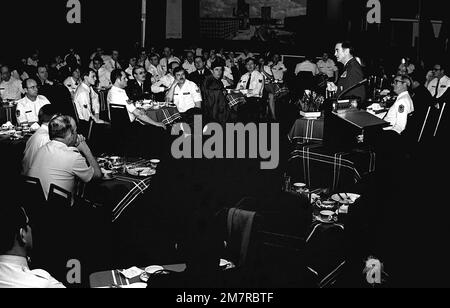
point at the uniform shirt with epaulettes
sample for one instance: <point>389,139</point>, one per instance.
<point>398,114</point>
<point>86,102</point>
<point>28,111</point>
<point>443,84</point>
<point>256,84</point>
<point>186,96</point>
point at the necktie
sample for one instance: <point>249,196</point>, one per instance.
<point>437,89</point>
<point>249,81</point>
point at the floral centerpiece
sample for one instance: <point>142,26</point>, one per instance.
<point>310,104</point>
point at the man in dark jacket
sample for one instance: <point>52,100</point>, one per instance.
<point>198,77</point>
<point>352,74</point>
<point>140,87</point>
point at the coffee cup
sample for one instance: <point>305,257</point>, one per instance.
<point>327,215</point>
<point>154,163</point>
<point>299,187</point>
<point>116,160</point>
<point>328,204</point>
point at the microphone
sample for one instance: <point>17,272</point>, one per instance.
<point>352,87</point>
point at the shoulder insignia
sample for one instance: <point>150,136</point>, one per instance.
<point>401,109</point>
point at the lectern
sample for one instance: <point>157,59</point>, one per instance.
<point>344,122</point>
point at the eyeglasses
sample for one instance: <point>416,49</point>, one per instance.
<point>397,81</point>
<point>436,69</point>
<point>32,87</point>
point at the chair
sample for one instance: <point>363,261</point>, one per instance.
<point>34,197</point>
<point>325,254</point>
<point>125,134</point>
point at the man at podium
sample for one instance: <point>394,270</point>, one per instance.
<point>352,75</point>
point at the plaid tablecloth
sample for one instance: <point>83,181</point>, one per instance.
<point>235,99</point>
<point>319,167</point>
<point>166,115</point>
<point>305,130</point>
<point>118,193</point>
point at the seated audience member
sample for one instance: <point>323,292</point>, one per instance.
<point>73,81</point>
<point>439,84</point>
<point>132,62</point>
<point>307,66</point>
<point>185,95</point>
<point>398,114</point>
<point>406,67</point>
<point>253,83</point>
<point>277,67</point>
<point>215,104</point>
<point>117,95</point>
<point>140,87</point>
<point>28,107</point>
<point>144,128</point>
<point>46,87</point>
<point>161,86</point>
<point>167,59</point>
<point>86,101</point>
<point>65,158</point>
<point>33,60</point>
<point>42,77</point>
<point>72,58</point>
<point>198,77</point>
<point>103,75</point>
<point>16,244</point>
<point>211,59</point>
<point>10,88</point>
<point>189,64</point>
<point>58,69</point>
<point>39,138</point>
<point>328,67</point>
<point>154,68</point>
<point>113,62</point>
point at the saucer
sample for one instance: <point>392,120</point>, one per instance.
<point>318,218</point>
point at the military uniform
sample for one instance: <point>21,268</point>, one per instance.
<point>256,84</point>
<point>398,114</point>
<point>28,111</point>
<point>15,273</point>
<point>186,96</point>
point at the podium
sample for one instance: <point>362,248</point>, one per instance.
<point>344,122</point>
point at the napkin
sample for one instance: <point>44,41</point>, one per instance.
<point>7,125</point>
<point>131,272</point>
<point>35,127</point>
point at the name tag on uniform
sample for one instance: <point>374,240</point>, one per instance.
<point>28,111</point>
<point>187,93</point>
<point>443,86</point>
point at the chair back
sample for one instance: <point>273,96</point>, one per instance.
<point>34,198</point>
<point>60,197</point>
<point>240,228</point>
<point>119,116</point>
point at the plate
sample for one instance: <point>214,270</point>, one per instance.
<point>153,269</point>
<point>136,285</point>
<point>345,198</point>
<point>141,171</point>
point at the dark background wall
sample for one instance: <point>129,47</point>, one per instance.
<point>42,24</point>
